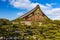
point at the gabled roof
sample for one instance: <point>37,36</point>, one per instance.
<point>32,11</point>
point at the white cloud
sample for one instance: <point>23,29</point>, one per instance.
<point>20,13</point>
<point>25,4</point>
<point>54,13</point>
<point>57,18</point>
<point>49,5</point>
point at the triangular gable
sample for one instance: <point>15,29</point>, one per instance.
<point>31,14</point>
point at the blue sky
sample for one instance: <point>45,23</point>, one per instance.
<point>12,9</point>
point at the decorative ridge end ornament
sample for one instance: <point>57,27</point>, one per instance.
<point>38,6</point>
<point>35,14</point>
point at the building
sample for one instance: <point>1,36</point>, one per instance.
<point>35,14</point>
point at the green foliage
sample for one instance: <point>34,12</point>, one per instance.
<point>48,30</point>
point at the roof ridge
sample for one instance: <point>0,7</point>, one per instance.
<point>30,11</point>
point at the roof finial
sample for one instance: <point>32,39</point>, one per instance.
<point>37,6</point>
